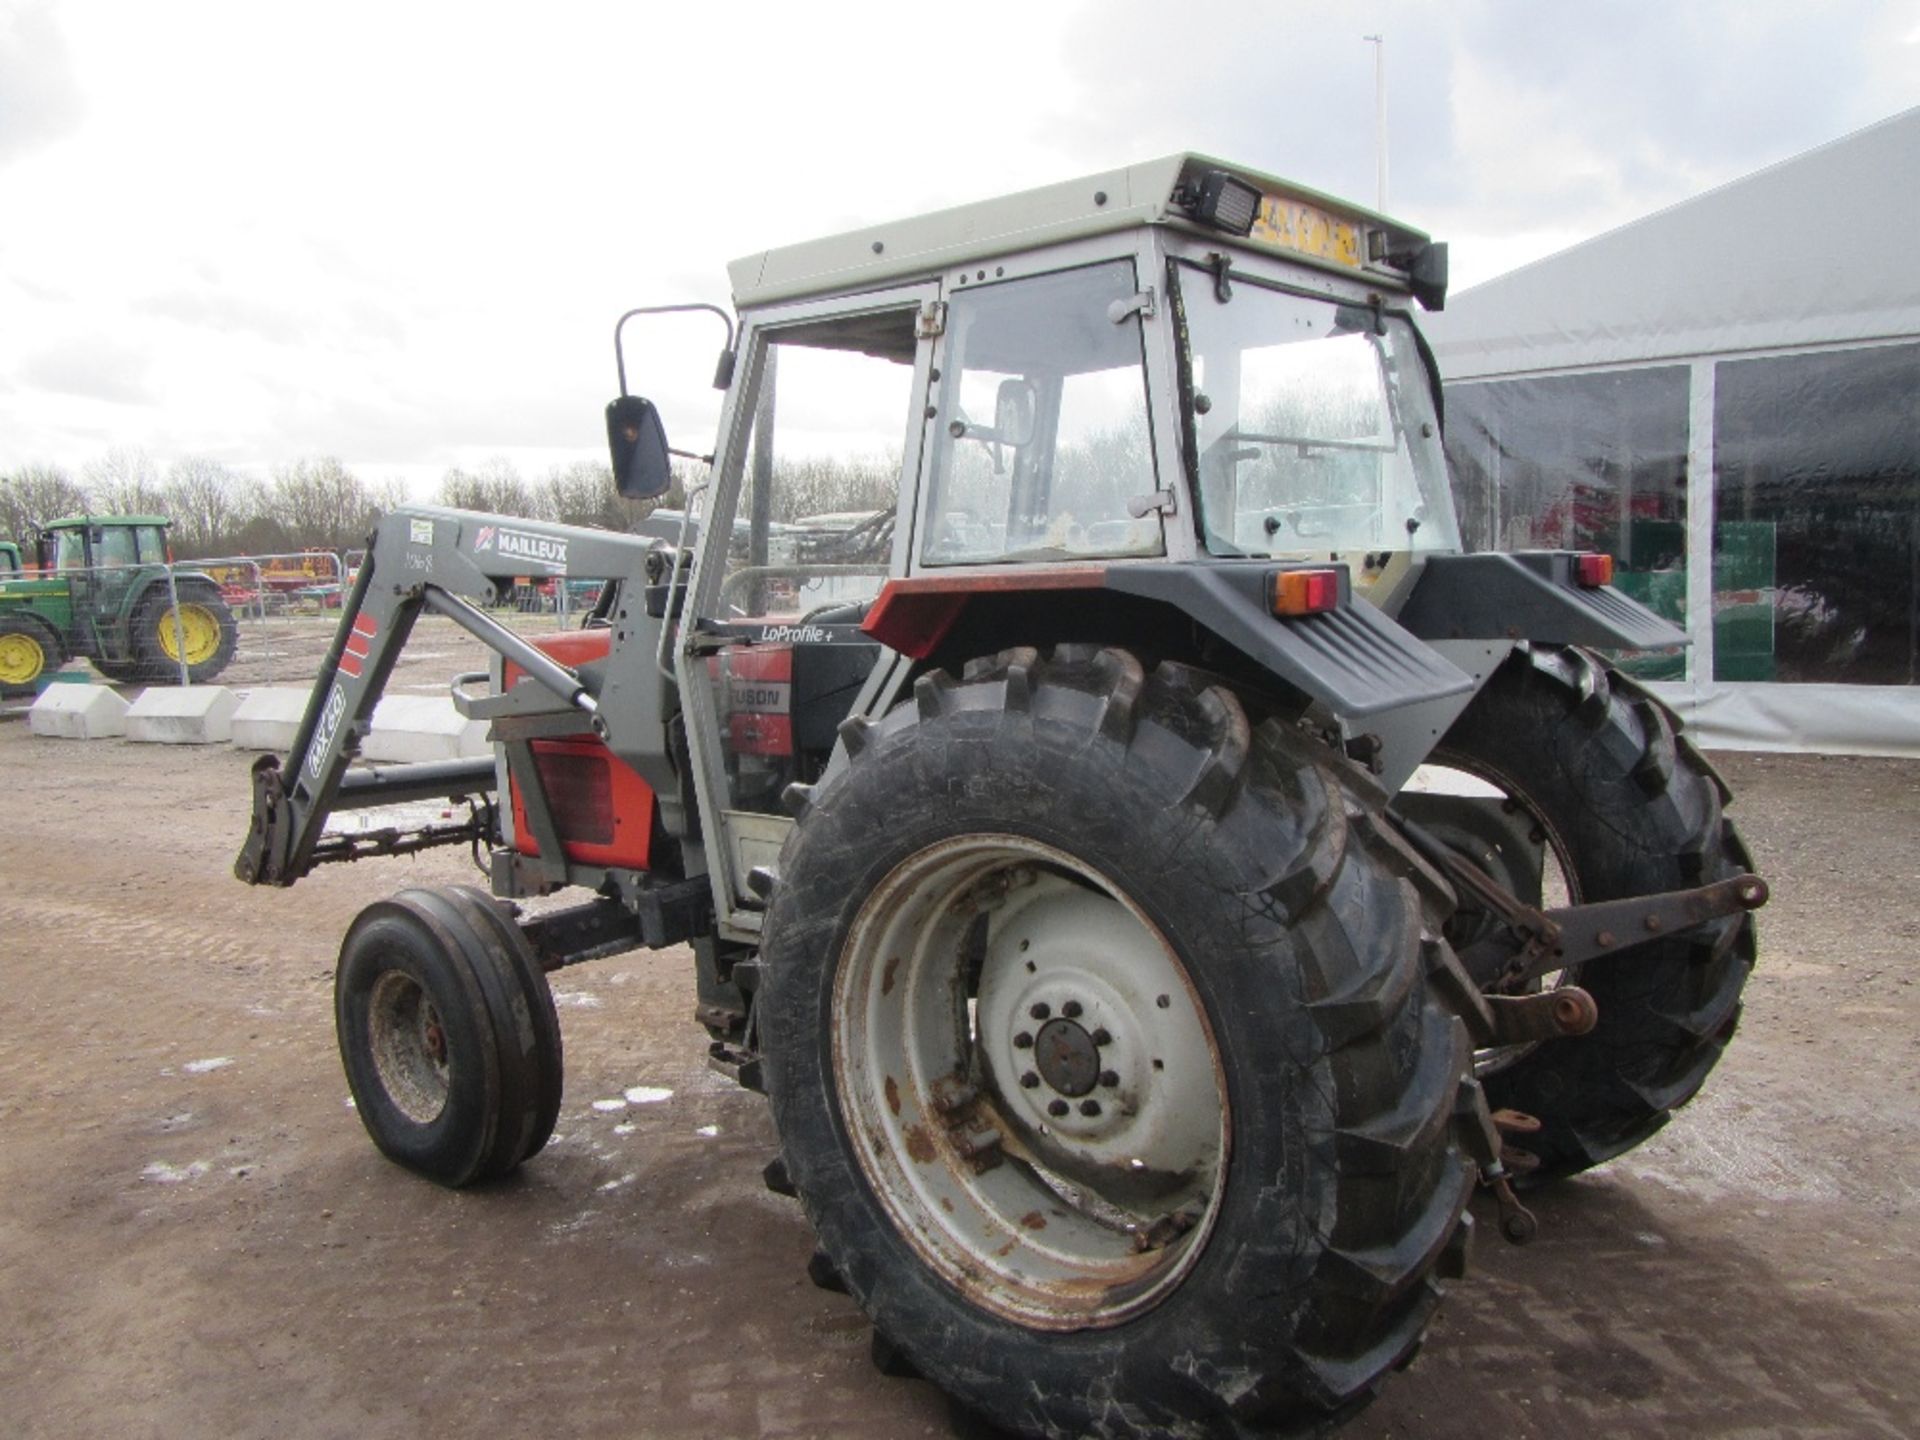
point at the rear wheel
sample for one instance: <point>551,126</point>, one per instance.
<point>28,650</point>
<point>1623,806</point>
<point>200,626</point>
<point>1101,1055</point>
<point>448,1034</point>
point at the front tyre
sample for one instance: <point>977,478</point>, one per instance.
<point>1101,1055</point>
<point>28,650</point>
<point>448,1034</point>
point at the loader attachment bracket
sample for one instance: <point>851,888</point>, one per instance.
<point>263,855</point>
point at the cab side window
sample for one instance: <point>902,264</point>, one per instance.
<point>1042,448</point>
<point>813,530</point>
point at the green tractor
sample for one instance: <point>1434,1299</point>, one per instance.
<point>100,591</point>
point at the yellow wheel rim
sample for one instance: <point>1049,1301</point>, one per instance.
<point>21,659</point>
<point>202,632</point>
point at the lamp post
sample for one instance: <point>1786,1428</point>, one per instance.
<point>1379,43</point>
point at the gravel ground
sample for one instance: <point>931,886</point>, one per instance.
<point>198,1239</point>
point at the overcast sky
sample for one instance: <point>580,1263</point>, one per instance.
<point>399,233</point>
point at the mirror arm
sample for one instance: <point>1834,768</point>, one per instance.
<point>726,364</point>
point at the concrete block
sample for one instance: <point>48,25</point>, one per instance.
<point>78,712</point>
<point>422,727</point>
<point>268,717</point>
<point>183,715</point>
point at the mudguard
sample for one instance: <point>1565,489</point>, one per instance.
<point>1352,659</point>
<point>1528,595</point>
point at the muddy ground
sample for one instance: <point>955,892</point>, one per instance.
<point>197,1239</point>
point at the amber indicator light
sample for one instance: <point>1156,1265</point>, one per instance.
<point>1593,571</point>
<point>1303,592</point>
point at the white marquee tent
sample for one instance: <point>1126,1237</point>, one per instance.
<point>1726,396</point>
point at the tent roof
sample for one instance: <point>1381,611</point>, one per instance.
<point>1817,249</point>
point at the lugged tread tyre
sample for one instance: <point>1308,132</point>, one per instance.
<point>1636,810</point>
<point>150,660</point>
<point>1300,925</point>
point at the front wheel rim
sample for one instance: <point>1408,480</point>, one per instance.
<point>408,1043</point>
<point>21,659</point>
<point>1030,1082</point>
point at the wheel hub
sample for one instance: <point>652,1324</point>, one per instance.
<point>1069,1061</point>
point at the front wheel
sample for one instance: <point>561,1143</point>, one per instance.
<point>448,1035</point>
<point>28,650</point>
<point>1101,1054</point>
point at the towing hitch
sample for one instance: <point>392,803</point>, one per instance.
<point>1527,943</point>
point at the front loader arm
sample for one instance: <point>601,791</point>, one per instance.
<point>417,559</point>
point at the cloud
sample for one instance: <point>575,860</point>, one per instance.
<point>91,367</point>
<point>39,99</point>
<point>226,311</point>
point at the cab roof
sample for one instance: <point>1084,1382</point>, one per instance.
<point>68,522</point>
<point>1295,221</point>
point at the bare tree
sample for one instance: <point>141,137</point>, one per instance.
<point>389,495</point>
<point>495,488</point>
<point>33,495</point>
<point>201,495</point>
<point>320,502</point>
<point>125,482</point>
<point>582,494</point>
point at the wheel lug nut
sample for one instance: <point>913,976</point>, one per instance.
<point>1089,1107</point>
<point>1056,1107</point>
<point>1023,1041</point>
<point>1109,1078</point>
<point>1040,1011</point>
<point>1029,1080</point>
<point>1101,1037</point>
<point>1071,1009</point>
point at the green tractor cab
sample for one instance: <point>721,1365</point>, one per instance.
<point>101,593</point>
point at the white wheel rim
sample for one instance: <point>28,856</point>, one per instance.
<point>1051,1136</point>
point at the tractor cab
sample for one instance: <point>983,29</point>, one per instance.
<point>98,542</point>
<point>1091,391</point>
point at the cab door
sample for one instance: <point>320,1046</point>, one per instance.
<point>804,524</point>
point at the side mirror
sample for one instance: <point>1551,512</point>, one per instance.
<point>638,443</point>
<point>1013,407</point>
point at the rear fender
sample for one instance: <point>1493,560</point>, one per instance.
<point>1528,595</point>
<point>1352,660</point>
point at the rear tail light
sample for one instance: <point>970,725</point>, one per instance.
<point>1303,592</point>
<point>1593,571</point>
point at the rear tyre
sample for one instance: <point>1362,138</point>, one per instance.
<point>1627,808</point>
<point>448,1035</point>
<point>29,649</point>
<point>1101,1055</point>
<point>205,626</point>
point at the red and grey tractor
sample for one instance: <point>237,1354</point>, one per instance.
<point>1154,874</point>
